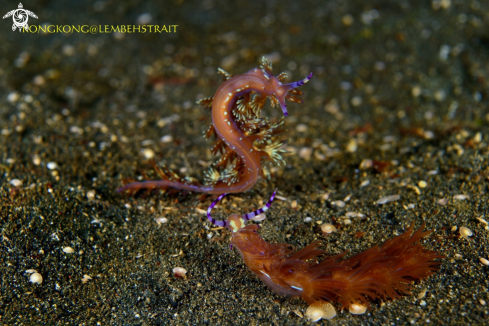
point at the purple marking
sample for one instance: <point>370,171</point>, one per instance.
<point>249,216</point>
<point>290,86</point>
<point>209,217</point>
<point>300,82</point>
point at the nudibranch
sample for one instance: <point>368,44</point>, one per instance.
<point>245,140</point>
<point>385,271</point>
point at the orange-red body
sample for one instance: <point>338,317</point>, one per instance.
<point>244,138</point>
<point>384,271</point>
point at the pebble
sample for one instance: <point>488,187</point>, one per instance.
<point>352,146</point>
<point>305,153</point>
<point>416,91</point>
<point>161,220</point>
<point>339,203</point>
<point>328,228</point>
<point>387,199</point>
<point>144,19</point>
<point>16,182</point>
<point>483,221</point>
<point>364,183</point>
<point>365,164</point>
<point>301,127</point>
<point>293,205</point>
<point>422,184</point>
<point>36,159</point>
<point>356,101</point>
<point>148,153</point>
<point>484,261</point>
<point>461,197</point>
<point>259,217</point>
<point>347,20</point>
<point>442,201</point>
<point>421,294</point>
<point>179,272</point>
<point>35,278</point>
<point>357,309</point>
<point>68,250</point>
<point>166,139</point>
<point>13,97</point>
<point>465,232</point>
<point>52,165</point>
<point>320,310</point>
<point>91,194</point>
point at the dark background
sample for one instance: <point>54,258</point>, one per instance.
<point>400,83</point>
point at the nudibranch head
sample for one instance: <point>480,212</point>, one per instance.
<point>282,92</point>
<point>275,87</point>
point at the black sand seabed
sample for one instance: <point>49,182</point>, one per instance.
<point>401,83</point>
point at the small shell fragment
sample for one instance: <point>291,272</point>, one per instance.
<point>442,201</point>
<point>354,214</point>
<point>422,184</point>
<point>293,205</point>
<point>91,194</point>
<point>36,278</point>
<point>421,294</point>
<point>483,221</point>
<point>328,228</point>
<point>365,164</point>
<point>179,272</point>
<point>166,139</point>
<point>200,210</point>
<point>357,309</point>
<point>148,153</point>
<point>320,310</point>
<point>465,232</point>
<point>280,198</point>
<point>387,199</point>
<point>305,153</point>
<point>161,220</point>
<point>352,146</point>
<point>365,183</point>
<point>259,217</point>
<point>16,182</point>
<point>30,271</point>
<point>52,165</point>
<point>68,250</point>
<point>339,203</point>
<point>461,197</point>
<point>298,313</point>
<point>36,159</point>
<point>484,261</point>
